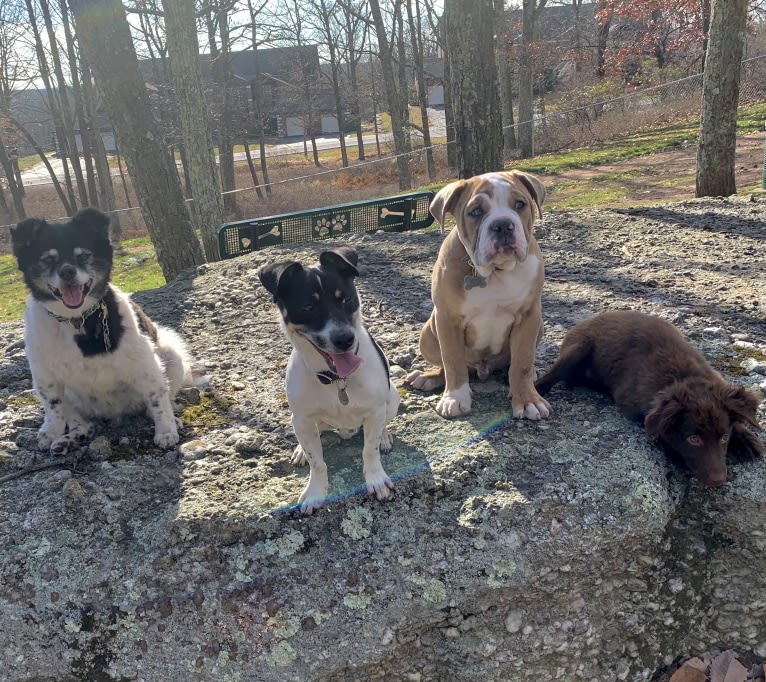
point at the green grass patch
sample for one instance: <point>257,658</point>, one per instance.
<point>135,269</point>
<point>749,120</point>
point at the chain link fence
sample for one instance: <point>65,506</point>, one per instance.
<point>591,122</point>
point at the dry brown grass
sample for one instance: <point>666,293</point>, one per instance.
<point>297,184</point>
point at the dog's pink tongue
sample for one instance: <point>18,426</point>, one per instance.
<point>346,363</point>
<point>72,295</point>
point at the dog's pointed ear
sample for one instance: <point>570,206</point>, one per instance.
<point>662,416</point>
<point>93,219</point>
<point>534,186</point>
<point>22,237</point>
<point>272,275</point>
<point>741,403</point>
<point>343,260</point>
<point>25,232</point>
<point>444,201</point>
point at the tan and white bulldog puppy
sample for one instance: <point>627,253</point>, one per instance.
<point>486,286</point>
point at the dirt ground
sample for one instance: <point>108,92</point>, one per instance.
<point>663,176</point>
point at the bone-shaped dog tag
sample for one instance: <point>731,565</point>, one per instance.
<point>471,281</point>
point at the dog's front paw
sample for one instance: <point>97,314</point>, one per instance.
<point>44,440</point>
<point>744,444</point>
<point>425,381</point>
<point>62,445</point>
<point>535,408</point>
<point>298,457</point>
<point>312,498</point>
<point>166,437</point>
<point>454,403</point>
<point>379,483</point>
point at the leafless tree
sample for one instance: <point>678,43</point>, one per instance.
<point>183,48</point>
<point>475,97</point>
<point>105,39</point>
<point>720,98</point>
<point>393,94</point>
<point>531,11</point>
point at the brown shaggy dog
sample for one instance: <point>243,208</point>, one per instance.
<point>655,376</point>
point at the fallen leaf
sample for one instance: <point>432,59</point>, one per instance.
<point>698,663</point>
<point>687,673</point>
<point>726,668</point>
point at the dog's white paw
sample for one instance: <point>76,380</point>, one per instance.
<point>166,438</point>
<point>312,498</point>
<point>386,440</point>
<point>44,439</point>
<point>533,411</point>
<point>379,483</point>
<point>298,457</point>
<point>62,445</point>
<point>424,381</point>
<point>454,403</point>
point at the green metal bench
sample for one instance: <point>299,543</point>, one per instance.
<point>393,214</point>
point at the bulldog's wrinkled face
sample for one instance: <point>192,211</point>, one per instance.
<point>494,214</point>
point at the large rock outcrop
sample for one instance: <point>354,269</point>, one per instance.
<point>567,549</point>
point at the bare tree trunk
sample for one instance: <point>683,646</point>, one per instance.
<point>105,40</point>
<point>392,93</point>
<point>73,154</point>
<point>720,98</point>
<point>417,52</point>
<point>330,41</point>
<point>5,163</point>
<point>106,195</point>
<point>253,171</point>
<point>183,49</point>
<point>41,153</point>
<point>225,136</point>
<point>255,93</point>
<point>79,108</point>
<point>475,98</point>
<point>58,124</point>
<point>526,77</point>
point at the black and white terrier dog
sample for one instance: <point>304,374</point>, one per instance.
<point>93,352</point>
<point>337,376</point>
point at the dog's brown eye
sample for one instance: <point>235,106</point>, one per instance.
<point>307,308</point>
<point>48,260</point>
<point>478,212</point>
<point>694,440</point>
<point>520,204</point>
<point>725,438</point>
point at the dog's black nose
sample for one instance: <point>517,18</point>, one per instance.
<point>502,227</point>
<point>67,271</point>
<point>343,339</point>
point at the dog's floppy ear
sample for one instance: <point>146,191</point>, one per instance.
<point>272,275</point>
<point>445,200</point>
<point>534,186</point>
<point>94,219</point>
<point>661,418</point>
<point>342,259</point>
<point>740,403</point>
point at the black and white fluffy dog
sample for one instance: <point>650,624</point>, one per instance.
<point>93,352</point>
<point>337,376</point>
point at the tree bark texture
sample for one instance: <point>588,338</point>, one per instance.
<point>474,87</point>
<point>385,53</point>
<point>720,97</point>
<point>183,48</point>
<point>104,37</point>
